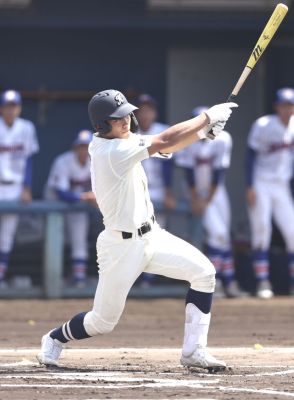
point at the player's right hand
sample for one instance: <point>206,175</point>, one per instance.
<point>89,197</point>
<point>250,196</point>
<point>211,131</point>
<point>220,112</point>
<point>199,206</point>
<point>26,195</point>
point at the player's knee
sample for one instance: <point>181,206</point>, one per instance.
<point>205,284</point>
<point>95,325</point>
<point>206,281</point>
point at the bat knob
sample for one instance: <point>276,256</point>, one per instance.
<point>231,98</point>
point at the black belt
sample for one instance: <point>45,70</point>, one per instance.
<point>7,182</point>
<point>146,227</point>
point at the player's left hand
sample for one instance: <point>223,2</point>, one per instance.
<point>220,112</point>
<point>26,195</point>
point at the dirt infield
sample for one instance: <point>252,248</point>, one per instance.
<point>140,359</point>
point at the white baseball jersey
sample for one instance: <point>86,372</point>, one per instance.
<point>68,174</point>
<point>17,143</point>
<point>153,167</point>
<point>273,143</point>
<point>204,156</point>
<point>119,181</point>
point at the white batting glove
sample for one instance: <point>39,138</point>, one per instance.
<point>220,112</point>
<point>211,131</point>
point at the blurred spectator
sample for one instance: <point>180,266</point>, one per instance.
<point>158,170</point>
<point>269,168</point>
<point>18,143</point>
<point>205,165</point>
<point>70,180</point>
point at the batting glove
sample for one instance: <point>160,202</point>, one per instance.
<point>211,131</point>
<point>220,112</point>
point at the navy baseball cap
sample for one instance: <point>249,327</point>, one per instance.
<point>285,95</point>
<point>10,97</point>
<point>84,137</point>
<point>198,110</point>
<point>146,99</point>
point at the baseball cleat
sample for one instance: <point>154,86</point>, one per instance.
<point>232,290</point>
<point>264,290</point>
<point>50,350</point>
<point>219,290</point>
<point>201,358</point>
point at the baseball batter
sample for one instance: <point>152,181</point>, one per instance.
<point>70,180</point>
<point>18,143</point>
<point>206,162</point>
<point>132,241</point>
<point>269,170</point>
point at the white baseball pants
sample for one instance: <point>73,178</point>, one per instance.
<point>121,261</point>
<point>8,222</point>
<point>273,199</point>
<point>78,228</point>
<point>217,220</point>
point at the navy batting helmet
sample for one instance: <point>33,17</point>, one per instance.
<point>110,104</point>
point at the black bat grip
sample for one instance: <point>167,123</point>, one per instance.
<point>232,97</point>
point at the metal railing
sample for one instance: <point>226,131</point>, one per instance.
<point>53,251</point>
<point>53,238</point>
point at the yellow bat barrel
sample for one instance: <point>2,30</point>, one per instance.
<point>270,29</point>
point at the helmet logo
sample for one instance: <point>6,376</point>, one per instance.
<point>119,99</point>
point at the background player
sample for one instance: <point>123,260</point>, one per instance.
<point>158,170</point>
<point>132,241</point>
<point>70,180</point>
<point>206,162</point>
<point>268,172</point>
<point>18,143</point>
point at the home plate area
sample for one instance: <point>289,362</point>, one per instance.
<point>135,373</point>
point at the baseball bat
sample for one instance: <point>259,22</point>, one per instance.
<point>267,34</point>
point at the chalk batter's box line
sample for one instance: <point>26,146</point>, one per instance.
<point>231,350</point>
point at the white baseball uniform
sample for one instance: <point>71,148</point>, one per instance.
<point>205,156</point>
<point>273,168</point>
<point>120,185</point>
<point>17,143</point>
<point>67,174</point>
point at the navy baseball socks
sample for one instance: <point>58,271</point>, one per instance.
<point>194,353</point>
<point>226,283</point>
<point>4,256</point>
<point>52,342</point>
<point>291,272</point>
<point>79,270</point>
<point>261,269</point>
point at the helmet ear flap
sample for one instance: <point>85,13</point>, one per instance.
<point>134,123</point>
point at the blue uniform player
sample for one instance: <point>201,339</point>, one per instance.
<point>268,174</point>
<point>158,170</point>
<point>18,143</point>
<point>70,180</point>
